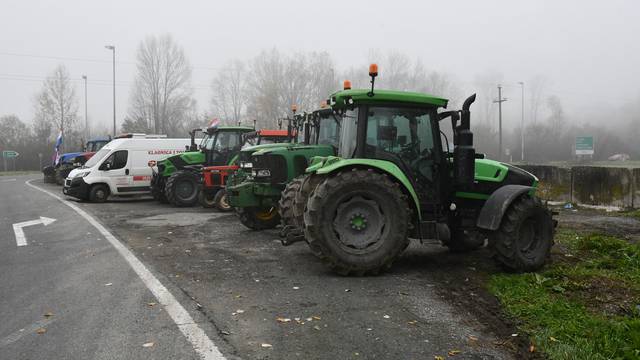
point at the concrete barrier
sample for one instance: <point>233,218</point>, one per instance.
<point>589,185</point>
<point>555,182</point>
<point>602,186</point>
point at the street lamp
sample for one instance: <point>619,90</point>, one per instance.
<point>113,50</point>
<point>86,118</point>
<point>522,124</point>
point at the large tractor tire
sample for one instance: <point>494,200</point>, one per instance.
<point>62,172</point>
<point>285,205</point>
<point>221,202</point>
<point>525,237</point>
<point>309,184</point>
<point>258,218</point>
<point>182,189</point>
<point>359,221</point>
<point>157,190</point>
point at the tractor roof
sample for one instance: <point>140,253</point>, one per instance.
<point>236,128</point>
<point>340,98</point>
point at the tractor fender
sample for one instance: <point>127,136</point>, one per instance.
<point>494,208</point>
<point>333,164</point>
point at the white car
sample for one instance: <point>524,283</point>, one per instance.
<point>122,167</point>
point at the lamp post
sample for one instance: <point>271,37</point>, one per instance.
<point>86,118</point>
<point>522,124</point>
<point>113,50</point>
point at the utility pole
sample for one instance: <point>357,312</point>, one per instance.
<point>500,101</point>
<point>522,124</point>
<point>113,49</point>
<point>86,118</point>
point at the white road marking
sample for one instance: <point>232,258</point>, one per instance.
<point>15,336</point>
<point>7,180</point>
<point>201,343</point>
<point>21,239</point>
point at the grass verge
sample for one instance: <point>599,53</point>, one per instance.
<point>585,305</point>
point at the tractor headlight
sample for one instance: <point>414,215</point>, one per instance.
<point>261,173</point>
<point>83,174</point>
<point>246,165</point>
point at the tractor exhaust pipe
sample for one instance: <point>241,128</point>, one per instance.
<point>464,153</point>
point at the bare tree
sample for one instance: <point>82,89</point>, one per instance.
<point>162,89</point>
<point>229,98</point>
<point>56,104</point>
<point>536,88</point>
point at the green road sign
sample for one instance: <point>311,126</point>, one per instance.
<point>10,154</point>
<point>584,145</point>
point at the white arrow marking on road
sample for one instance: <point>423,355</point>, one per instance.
<point>21,240</point>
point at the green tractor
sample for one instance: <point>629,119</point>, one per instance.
<point>395,178</point>
<point>255,189</point>
<point>177,179</point>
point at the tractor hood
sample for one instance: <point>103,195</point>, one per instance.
<point>491,175</point>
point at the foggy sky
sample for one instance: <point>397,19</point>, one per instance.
<point>589,50</point>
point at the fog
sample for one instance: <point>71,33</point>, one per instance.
<point>586,52</point>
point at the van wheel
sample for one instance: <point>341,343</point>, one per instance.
<point>99,193</point>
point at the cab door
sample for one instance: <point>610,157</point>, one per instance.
<point>116,170</point>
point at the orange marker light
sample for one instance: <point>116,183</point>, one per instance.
<point>294,108</point>
<point>347,85</point>
<point>373,70</point>
<point>323,103</point>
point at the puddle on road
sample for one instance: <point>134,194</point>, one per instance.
<point>175,219</point>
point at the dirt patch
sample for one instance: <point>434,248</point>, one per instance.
<point>605,296</point>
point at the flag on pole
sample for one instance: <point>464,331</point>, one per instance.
<point>57,148</point>
<point>214,123</point>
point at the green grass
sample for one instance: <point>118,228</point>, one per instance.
<point>633,214</point>
<point>566,308</point>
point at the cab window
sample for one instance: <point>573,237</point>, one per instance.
<point>117,160</point>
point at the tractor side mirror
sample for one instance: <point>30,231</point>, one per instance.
<point>388,133</point>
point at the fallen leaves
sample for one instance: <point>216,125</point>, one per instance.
<point>412,322</point>
<point>108,284</point>
<point>151,304</point>
<point>283,320</point>
<point>453,352</point>
<point>48,314</point>
<point>386,316</point>
<point>265,345</point>
<point>148,345</point>
<point>41,331</point>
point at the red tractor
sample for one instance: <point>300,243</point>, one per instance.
<point>214,177</point>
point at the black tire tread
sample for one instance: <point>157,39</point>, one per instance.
<point>314,225</point>
<point>169,189</point>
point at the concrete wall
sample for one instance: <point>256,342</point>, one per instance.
<point>589,185</point>
<point>555,182</point>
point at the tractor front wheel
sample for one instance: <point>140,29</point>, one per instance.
<point>525,237</point>
<point>207,198</point>
<point>220,201</point>
<point>358,220</point>
<point>285,205</point>
<point>182,189</point>
<point>258,218</point>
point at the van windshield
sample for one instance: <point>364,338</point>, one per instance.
<point>96,158</point>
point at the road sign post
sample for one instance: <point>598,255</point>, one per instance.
<point>9,154</point>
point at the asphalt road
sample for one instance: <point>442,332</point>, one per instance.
<point>253,298</point>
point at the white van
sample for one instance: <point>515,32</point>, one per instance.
<point>122,167</point>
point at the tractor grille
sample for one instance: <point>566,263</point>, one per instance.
<point>275,163</point>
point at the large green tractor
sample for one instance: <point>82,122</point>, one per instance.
<point>177,179</point>
<point>255,190</point>
<point>395,178</point>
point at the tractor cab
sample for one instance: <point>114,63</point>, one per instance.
<point>223,144</point>
<point>264,136</point>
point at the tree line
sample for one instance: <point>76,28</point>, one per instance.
<point>264,87</point>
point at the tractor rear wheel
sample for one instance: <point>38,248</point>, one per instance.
<point>525,237</point>
<point>358,220</point>
<point>207,198</point>
<point>221,202</point>
<point>258,218</point>
<point>182,189</point>
<point>285,205</point>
